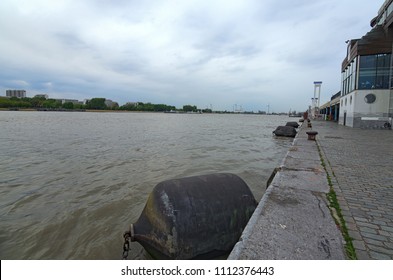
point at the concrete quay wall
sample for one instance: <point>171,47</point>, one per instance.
<point>292,220</point>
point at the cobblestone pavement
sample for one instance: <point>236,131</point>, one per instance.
<point>362,164</point>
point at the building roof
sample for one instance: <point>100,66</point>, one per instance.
<point>331,103</point>
<point>378,40</point>
<point>381,14</point>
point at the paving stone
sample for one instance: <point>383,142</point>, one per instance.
<point>351,226</point>
<point>358,213</point>
<point>386,220</point>
<point>349,219</point>
<point>385,233</point>
<point>389,245</point>
<point>368,230</point>
<point>387,228</point>
<point>358,245</point>
<point>362,255</point>
<point>383,212</point>
<point>346,213</point>
<point>344,207</point>
<point>355,234</point>
<point>361,161</point>
<point>379,249</point>
<point>387,214</point>
<point>379,222</point>
<point>368,225</point>
<point>379,256</point>
<point>367,235</point>
<point>375,242</point>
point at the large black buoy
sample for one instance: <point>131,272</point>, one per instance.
<point>286,131</point>
<point>293,124</point>
<point>198,217</point>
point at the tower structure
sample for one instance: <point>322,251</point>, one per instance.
<point>316,99</point>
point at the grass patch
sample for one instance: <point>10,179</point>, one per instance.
<point>336,213</point>
<point>333,203</point>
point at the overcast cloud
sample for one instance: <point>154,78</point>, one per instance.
<point>201,52</point>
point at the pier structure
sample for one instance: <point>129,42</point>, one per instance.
<point>293,220</point>
<point>316,99</point>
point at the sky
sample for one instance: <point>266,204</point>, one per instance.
<point>220,54</point>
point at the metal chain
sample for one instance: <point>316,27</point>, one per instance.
<point>126,245</point>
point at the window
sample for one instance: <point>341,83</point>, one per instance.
<point>370,98</point>
<point>390,9</point>
<point>349,78</point>
<point>383,71</point>
<point>374,71</point>
<point>367,72</point>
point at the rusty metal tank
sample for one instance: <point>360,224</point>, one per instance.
<point>198,217</point>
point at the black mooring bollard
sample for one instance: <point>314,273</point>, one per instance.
<point>311,135</point>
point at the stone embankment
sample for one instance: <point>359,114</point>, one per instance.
<point>293,220</point>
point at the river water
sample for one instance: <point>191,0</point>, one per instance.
<point>72,182</point>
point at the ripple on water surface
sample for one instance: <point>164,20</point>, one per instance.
<point>70,183</point>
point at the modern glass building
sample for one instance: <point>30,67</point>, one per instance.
<point>367,75</point>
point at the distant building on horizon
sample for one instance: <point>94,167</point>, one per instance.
<point>74,101</point>
<point>109,103</point>
<point>20,93</point>
<point>42,95</point>
<point>132,103</point>
<point>367,80</point>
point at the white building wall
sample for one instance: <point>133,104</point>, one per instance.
<point>379,107</point>
<point>347,109</point>
<point>391,103</point>
<point>359,113</point>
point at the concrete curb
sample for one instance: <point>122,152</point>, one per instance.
<point>292,220</point>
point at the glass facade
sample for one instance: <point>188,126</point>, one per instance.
<point>349,78</point>
<point>385,14</point>
<point>374,71</point>
<point>369,71</point>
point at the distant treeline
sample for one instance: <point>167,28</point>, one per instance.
<point>37,103</point>
<point>147,107</point>
<point>92,104</point>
